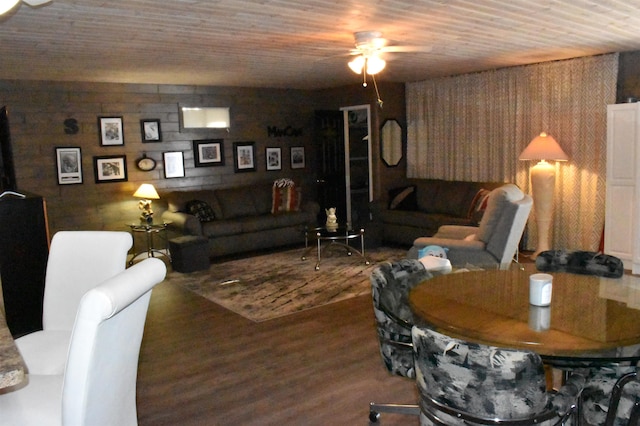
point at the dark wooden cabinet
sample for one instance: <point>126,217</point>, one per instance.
<point>24,249</point>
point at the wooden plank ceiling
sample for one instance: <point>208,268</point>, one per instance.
<point>299,44</point>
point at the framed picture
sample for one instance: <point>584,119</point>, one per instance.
<point>244,156</point>
<point>111,131</point>
<point>274,158</point>
<point>297,157</point>
<point>209,152</point>
<point>69,165</point>
<point>110,168</point>
<point>150,130</point>
<point>173,164</point>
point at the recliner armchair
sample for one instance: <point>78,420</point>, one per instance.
<point>493,243</point>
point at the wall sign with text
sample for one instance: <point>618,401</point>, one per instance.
<point>289,131</point>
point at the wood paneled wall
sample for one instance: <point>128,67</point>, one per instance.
<point>37,111</point>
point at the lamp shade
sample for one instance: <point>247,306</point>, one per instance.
<point>7,5</point>
<point>357,64</point>
<point>375,64</point>
<point>372,64</point>
<point>543,147</point>
<point>146,191</point>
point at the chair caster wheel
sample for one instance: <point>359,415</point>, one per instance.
<point>374,416</point>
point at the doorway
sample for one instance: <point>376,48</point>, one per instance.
<point>358,165</point>
<point>344,168</point>
<point>330,169</point>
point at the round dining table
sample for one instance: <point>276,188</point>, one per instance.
<point>12,368</point>
<point>590,318</point>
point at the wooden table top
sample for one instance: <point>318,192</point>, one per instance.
<point>588,315</point>
<point>11,364</point>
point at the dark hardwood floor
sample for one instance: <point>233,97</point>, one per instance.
<point>203,365</point>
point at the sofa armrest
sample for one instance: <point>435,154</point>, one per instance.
<point>183,223</point>
<point>451,244</point>
<point>456,232</point>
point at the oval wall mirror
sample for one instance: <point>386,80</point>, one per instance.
<point>391,143</point>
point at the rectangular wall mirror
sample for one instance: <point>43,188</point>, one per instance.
<point>204,117</point>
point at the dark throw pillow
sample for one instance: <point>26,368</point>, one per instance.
<point>403,198</point>
<point>201,210</point>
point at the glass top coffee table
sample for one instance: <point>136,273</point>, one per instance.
<point>333,237</point>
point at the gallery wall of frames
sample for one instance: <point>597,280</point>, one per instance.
<point>87,147</point>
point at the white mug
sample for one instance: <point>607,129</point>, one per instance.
<point>540,286</point>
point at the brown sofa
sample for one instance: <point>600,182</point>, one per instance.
<point>239,219</point>
<point>419,208</point>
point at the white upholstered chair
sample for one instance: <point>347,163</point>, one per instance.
<point>78,261</point>
<point>98,386</point>
<point>492,244</point>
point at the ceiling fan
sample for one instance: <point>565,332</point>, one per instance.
<point>369,46</point>
<point>7,5</point>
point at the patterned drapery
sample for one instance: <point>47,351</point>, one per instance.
<point>474,126</point>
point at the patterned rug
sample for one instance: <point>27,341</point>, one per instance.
<point>272,285</point>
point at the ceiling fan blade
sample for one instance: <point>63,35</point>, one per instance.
<point>35,3</point>
<point>423,49</point>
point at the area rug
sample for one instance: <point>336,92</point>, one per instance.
<point>273,285</point>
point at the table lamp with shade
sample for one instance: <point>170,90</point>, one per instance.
<point>543,177</point>
<point>147,192</point>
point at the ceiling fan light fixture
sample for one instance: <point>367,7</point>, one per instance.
<point>7,5</point>
<point>370,65</point>
<point>375,64</point>
<point>357,64</point>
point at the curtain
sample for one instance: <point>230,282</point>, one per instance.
<point>473,127</point>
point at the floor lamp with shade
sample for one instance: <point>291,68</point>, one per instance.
<point>543,178</point>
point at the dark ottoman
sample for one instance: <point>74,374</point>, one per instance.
<point>189,253</point>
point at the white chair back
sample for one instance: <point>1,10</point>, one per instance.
<point>101,372</point>
<point>78,260</point>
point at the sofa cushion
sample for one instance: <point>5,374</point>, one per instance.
<point>403,198</point>
<point>262,198</point>
<point>454,198</point>
<point>221,228</point>
<point>426,192</point>
<point>235,202</point>
<point>201,209</point>
<point>302,218</point>
<point>257,223</point>
<point>426,220</point>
